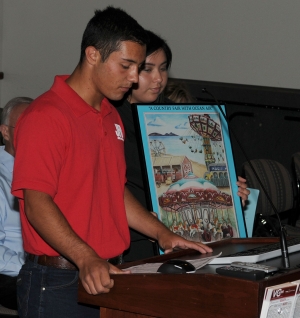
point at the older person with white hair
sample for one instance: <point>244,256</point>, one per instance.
<point>11,245</point>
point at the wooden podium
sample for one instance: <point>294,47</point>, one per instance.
<point>202,294</point>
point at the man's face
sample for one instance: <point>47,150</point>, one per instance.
<point>114,77</point>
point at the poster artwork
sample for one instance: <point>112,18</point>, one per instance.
<point>190,171</point>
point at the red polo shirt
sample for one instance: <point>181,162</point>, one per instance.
<point>69,150</point>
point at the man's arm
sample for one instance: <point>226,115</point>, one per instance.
<point>47,219</point>
<point>143,221</point>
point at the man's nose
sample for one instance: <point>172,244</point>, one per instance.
<point>133,76</point>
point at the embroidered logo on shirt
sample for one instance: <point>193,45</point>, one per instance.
<point>119,132</point>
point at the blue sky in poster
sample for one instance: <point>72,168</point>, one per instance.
<point>179,125</point>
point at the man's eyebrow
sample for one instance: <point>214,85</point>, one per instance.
<point>129,60</point>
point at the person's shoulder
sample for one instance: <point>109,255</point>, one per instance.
<point>2,149</point>
<point>123,107</point>
<point>6,162</point>
<point>47,105</point>
<point>47,99</point>
<point>5,180</point>
<point>42,115</point>
<point>120,105</point>
<point>168,101</point>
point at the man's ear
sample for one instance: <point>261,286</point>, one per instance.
<point>92,55</point>
<point>4,132</point>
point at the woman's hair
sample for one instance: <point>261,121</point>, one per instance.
<point>178,92</point>
<point>156,43</point>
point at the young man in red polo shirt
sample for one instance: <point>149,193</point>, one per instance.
<point>70,175</point>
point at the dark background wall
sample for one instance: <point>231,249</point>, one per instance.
<point>266,120</point>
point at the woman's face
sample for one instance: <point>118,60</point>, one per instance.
<point>152,79</point>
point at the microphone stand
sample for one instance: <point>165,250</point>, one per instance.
<point>282,234</point>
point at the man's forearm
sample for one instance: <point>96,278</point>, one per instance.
<point>141,219</point>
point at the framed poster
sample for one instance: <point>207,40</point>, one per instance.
<point>190,170</point>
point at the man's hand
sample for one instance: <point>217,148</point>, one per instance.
<point>95,275</point>
<point>169,241</point>
<point>243,192</point>
<point>50,223</point>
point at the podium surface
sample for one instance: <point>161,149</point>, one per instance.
<point>201,294</point>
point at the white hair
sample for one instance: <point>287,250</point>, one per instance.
<point>11,105</point>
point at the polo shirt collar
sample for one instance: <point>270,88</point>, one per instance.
<point>75,102</point>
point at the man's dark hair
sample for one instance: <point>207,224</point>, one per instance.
<point>156,43</point>
<point>108,28</point>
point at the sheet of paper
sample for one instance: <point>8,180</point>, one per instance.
<point>250,209</point>
<point>153,267</point>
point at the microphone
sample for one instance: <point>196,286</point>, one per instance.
<point>282,234</point>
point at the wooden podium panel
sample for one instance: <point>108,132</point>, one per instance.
<point>203,293</point>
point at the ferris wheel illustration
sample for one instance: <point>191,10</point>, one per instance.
<point>157,148</point>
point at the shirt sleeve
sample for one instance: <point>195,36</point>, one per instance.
<point>10,261</point>
<point>40,142</point>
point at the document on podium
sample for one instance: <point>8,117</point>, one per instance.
<point>153,267</point>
